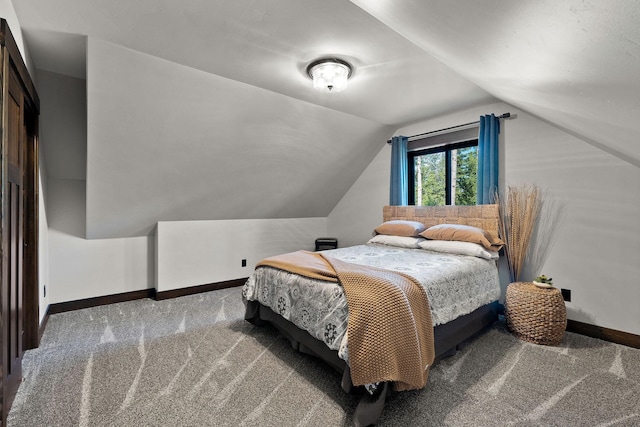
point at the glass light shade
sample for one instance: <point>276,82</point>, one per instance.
<point>329,75</point>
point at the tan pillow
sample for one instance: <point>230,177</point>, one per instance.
<point>400,228</point>
<point>463,233</point>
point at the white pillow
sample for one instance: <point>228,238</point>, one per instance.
<point>459,248</point>
<point>400,241</point>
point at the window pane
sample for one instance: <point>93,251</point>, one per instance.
<point>430,179</point>
<point>464,172</point>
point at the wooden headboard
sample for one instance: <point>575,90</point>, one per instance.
<point>482,216</point>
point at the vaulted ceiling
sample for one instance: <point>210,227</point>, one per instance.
<point>267,44</point>
<point>573,63</point>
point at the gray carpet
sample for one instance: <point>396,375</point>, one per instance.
<point>193,361</point>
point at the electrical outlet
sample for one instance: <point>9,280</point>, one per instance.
<point>566,294</point>
<point>244,262</point>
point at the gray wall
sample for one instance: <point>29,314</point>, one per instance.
<point>168,142</point>
<point>143,140</point>
<point>596,251</point>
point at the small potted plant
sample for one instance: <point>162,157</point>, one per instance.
<point>543,281</point>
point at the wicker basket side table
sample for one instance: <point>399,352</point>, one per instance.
<point>535,314</point>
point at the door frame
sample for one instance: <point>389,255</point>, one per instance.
<point>13,58</point>
<point>31,180</point>
<point>11,62</point>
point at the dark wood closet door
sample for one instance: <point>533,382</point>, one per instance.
<point>13,292</point>
<point>19,318</point>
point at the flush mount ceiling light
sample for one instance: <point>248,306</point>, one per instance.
<point>329,74</point>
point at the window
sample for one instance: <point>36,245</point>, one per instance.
<point>444,175</point>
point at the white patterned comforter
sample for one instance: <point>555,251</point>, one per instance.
<point>456,285</point>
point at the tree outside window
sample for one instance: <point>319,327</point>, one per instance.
<point>444,175</point>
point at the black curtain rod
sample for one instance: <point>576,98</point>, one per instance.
<point>502,116</point>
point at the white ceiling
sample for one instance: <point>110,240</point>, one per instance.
<point>573,63</point>
<point>263,43</point>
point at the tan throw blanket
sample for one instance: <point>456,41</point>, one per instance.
<point>304,263</point>
<point>390,327</point>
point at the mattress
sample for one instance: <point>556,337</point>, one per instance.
<point>455,284</point>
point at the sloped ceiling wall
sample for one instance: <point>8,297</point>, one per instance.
<point>267,44</point>
<point>262,143</point>
<point>203,110</point>
<point>168,142</point>
<point>572,63</point>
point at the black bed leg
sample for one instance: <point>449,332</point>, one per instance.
<point>346,384</point>
<point>370,407</point>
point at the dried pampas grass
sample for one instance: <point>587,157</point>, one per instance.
<point>544,236</point>
<point>519,211</point>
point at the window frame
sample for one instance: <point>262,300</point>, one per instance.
<point>446,148</point>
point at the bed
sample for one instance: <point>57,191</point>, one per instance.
<point>462,289</point>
